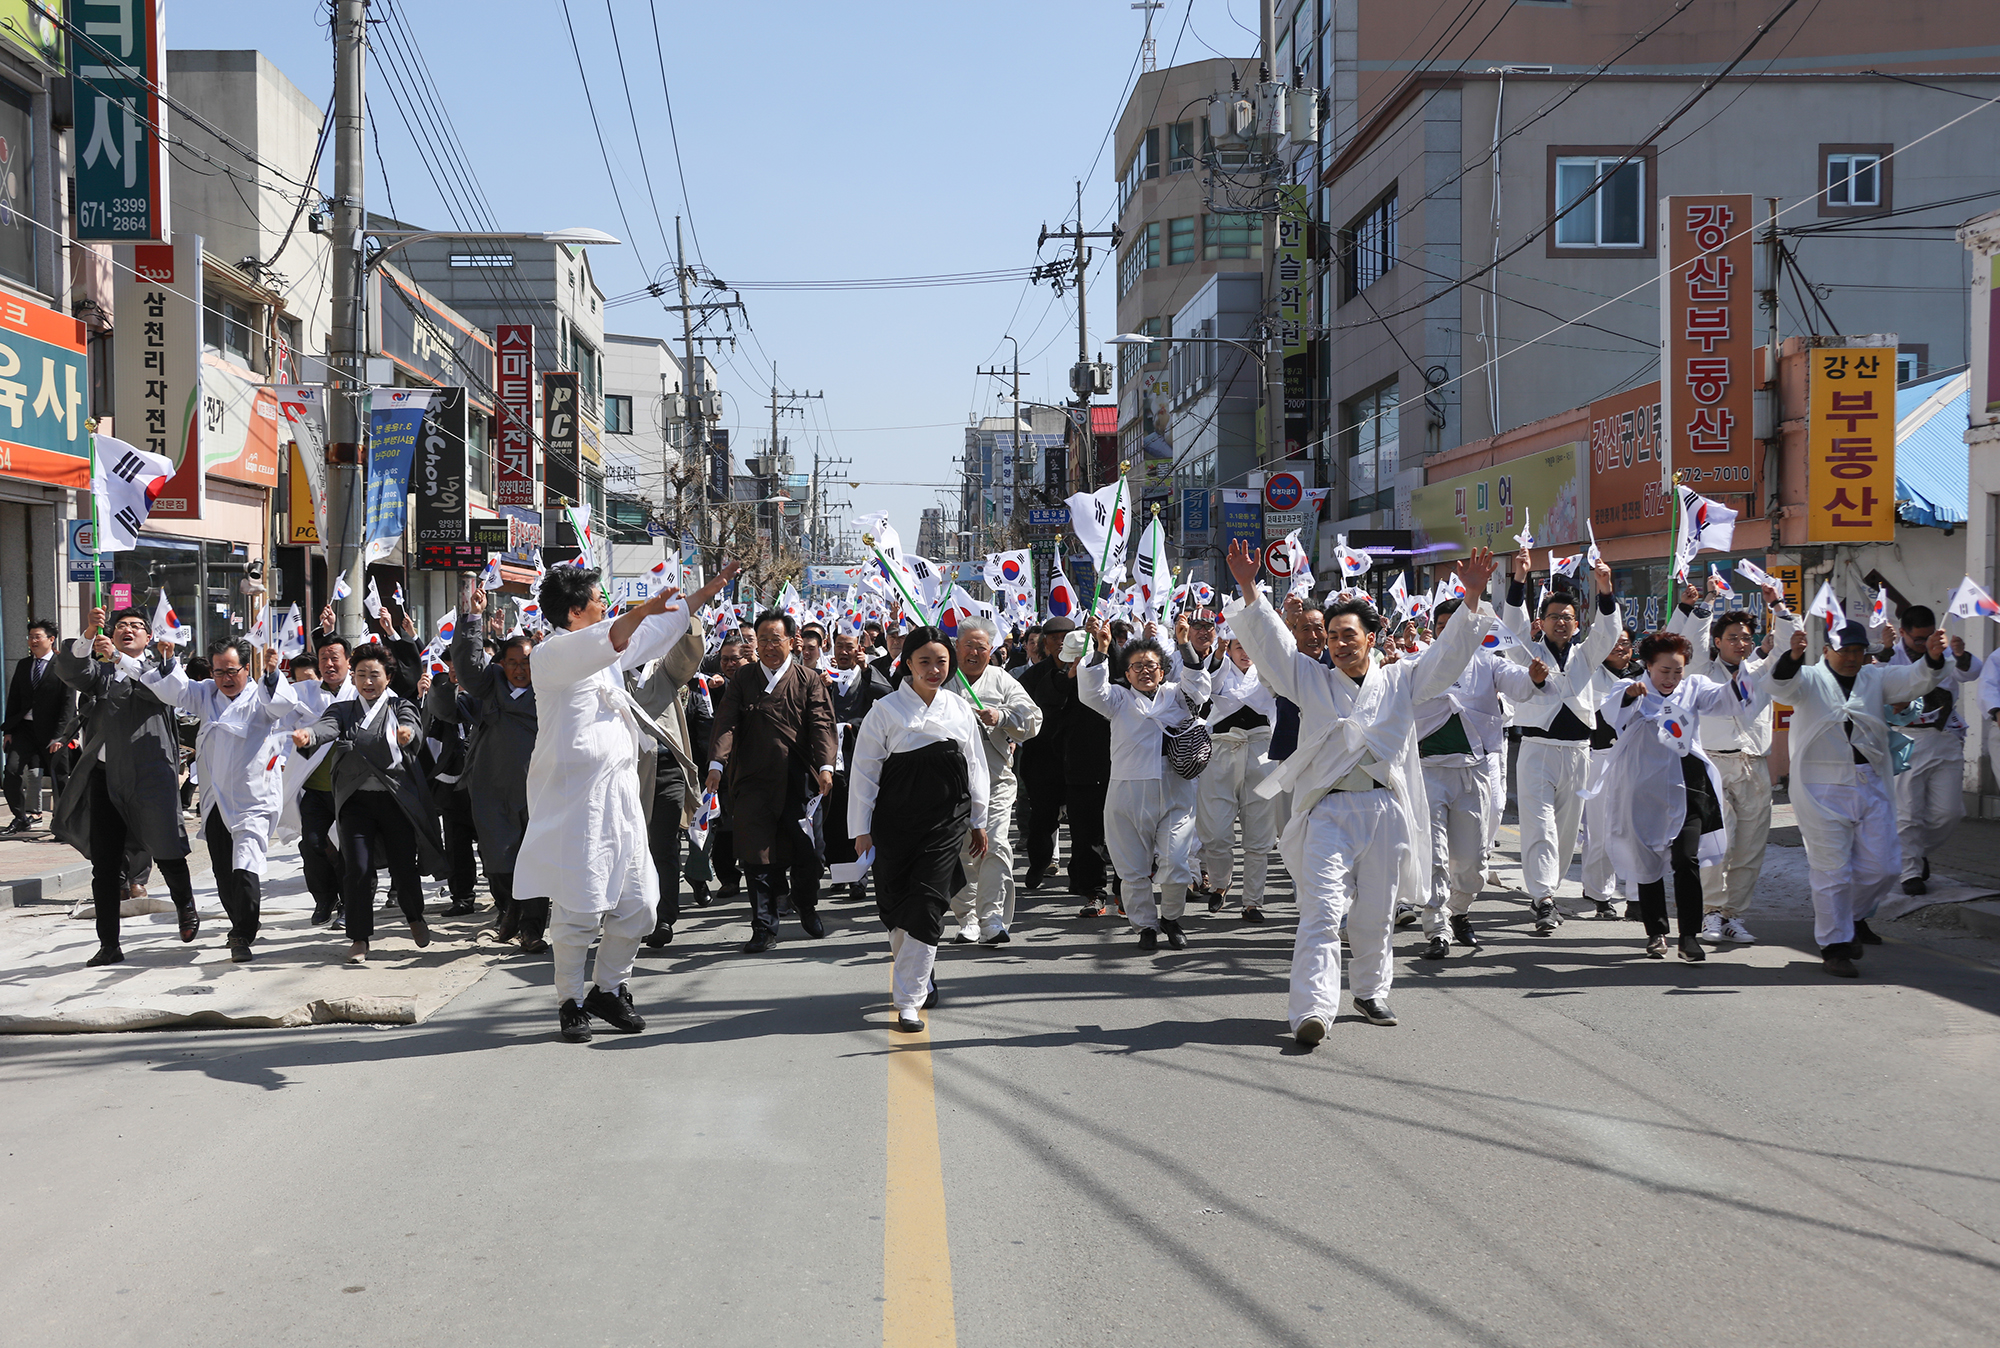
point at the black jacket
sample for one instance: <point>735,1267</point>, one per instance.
<point>37,713</point>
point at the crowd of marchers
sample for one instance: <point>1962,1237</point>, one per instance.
<point>602,771</point>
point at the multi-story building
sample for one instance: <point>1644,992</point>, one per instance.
<point>655,459</point>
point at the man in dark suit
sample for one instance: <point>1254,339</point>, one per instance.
<point>771,748</point>
<point>38,707</point>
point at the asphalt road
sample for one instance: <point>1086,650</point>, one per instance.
<point>1562,1143</point>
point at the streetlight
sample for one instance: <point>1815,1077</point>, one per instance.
<point>1141,339</point>
<point>403,238</point>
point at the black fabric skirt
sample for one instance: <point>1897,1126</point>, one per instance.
<point>922,812</point>
<point>1701,801</point>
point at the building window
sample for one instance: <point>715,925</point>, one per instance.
<point>1603,203</point>
<point>17,188</point>
<point>1231,236</point>
<point>478,451</point>
<point>618,413</point>
<point>1180,241</point>
<point>1181,145</point>
<point>1371,246</point>
<point>1143,255</point>
<point>1145,164</point>
<point>1913,361</point>
<point>1370,424</point>
<point>1133,357</point>
<point>1854,179</point>
<point>225,327</point>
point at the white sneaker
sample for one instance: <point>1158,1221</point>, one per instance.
<point>1711,927</point>
<point>1734,930</point>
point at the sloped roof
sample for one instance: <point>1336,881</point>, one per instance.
<point>1932,462</point>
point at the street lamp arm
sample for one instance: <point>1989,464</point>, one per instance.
<point>403,238</point>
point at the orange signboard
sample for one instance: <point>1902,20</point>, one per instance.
<point>1851,446</point>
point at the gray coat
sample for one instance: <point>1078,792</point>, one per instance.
<point>499,742</point>
<point>141,764</point>
<point>364,756</point>
<point>664,698</point>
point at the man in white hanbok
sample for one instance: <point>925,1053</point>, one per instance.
<point>1358,809</point>
<point>1239,722</point>
<point>1841,774</point>
<point>1930,796</point>
<point>586,842</point>
<point>1007,717</point>
<point>240,754</point>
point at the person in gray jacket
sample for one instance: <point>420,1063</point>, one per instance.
<point>125,791</point>
<point>499,742</point>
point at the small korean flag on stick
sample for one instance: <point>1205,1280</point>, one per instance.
<point>490,578</point>
<point>1971,601</point>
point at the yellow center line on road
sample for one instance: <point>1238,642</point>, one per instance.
<point>916,1249</point>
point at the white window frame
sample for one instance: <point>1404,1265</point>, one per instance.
<point>1599,164</point>
<point>1872,163</point>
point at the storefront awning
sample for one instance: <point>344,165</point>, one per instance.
<point>1932,465</point>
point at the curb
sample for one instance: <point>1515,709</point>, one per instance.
<point>72,882</point>
<point>1981,916</point>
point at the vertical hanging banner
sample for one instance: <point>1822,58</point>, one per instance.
<point>514,449</point>
<point>121,172</point>
<point>1706,374</point>
<point>304,410</point>
<point>1291,295</point>
<point>393,419</point>
<point>562,482</point>
<point>439,480</point>
<point>156,365</point>
<point>1851,446</point>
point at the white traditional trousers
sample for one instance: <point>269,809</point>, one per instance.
<point>1459,799</point>
<point>1226,797</point>
<point>1149,831</point>
<point>1549,779</point>
<point>1853,882</point>
<point>987,901</point>
<point>1746,812</point>
<point>1930,798</point>
<point>910,977</point>
<point>1496,788</point>
<point>571,933</point>
<point>1354,846</point>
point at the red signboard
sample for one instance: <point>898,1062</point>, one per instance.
<point>514,447</point>
<point>1628,468</point>
<point>1707,376</point>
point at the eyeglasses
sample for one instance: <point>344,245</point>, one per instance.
<point>1143,667</point>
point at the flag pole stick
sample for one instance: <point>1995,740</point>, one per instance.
<point>1111,528</point>
<point>868,541</point>
<point>96,529</point>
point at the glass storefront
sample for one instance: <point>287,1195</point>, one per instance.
<point>202,579</point>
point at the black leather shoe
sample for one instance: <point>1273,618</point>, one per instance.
<point>420,932</point>
<point>1632,913</point>
<point>728,891</point>
<point>1253,914</point>
<point>339,922</point>
<point>1915,886</point>
<point>909,1024</point>
<point>614,1009</point>
<point>1376,1009</point>
<point>663,934</point>
<point>701,897</point>
<point>1547,919</point>
<point>458,908</point>
<point>758,943</point>
<point>239,950</point>
<point>1463,934</point>
<point>997,938</point>
<point>575,1023</point>
<point>1927,860</point>
<point>1032,881</point>
<point>1691,950</point>
<point>1863,934</point>
<point>190,921</point>
<point>1149,940</point>
<point>810,924</point>
<point>1837,962</point>
<point>931,998</point>
<point>106,954</point>
<point>510,920</point>
<point>321,912</point>
<point>858,891</point>
<point>1436,950</point>
<point>1176,938</point>
<point>19,825</point>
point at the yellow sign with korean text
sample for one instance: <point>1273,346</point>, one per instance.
<point>1851,446</point>
<point>1542,493</point>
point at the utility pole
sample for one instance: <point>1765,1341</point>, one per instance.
<point>693,409</point>
<point>347,360</point>
<point>781,401</point>
<point>1274,351</point>
<point>1085,377</point>
<point>1014,438</point>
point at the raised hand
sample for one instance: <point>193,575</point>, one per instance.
<point>1477,573</point>
<point>1243,565</point>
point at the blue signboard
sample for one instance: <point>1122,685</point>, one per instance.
<point>1049,516</point>
<point>1194,511</point>
<point>1243,519</point>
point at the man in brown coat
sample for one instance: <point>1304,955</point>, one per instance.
<point>772,748</point>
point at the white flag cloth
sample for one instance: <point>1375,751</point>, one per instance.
<point>1715,572</point>
<point>167,625</point>
<point>1566,566</point>
<point>1969,600</point>
<point>1302,572</point>
<point>341,589</point>
<point>1826,607</point>
<point>1755,574</point>
<point>1009,570</point>
<point>1674,728</point>
<point>1352,561</point>
<point>490,578</point>
<point>1526,538</point>
<point>1102,523</point>
<point>290,638</point>
<point>1878,612</point>
<point>1149,568</point>
<point>126,480</point>
<point>1591,556</point>
<point>371,599</point>
<point>1400,592</point>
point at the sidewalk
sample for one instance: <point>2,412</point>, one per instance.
<point>35,868</point>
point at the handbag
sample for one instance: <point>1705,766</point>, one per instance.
<point>1188,749</point>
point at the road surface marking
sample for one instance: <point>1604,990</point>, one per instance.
<point>916,1254</point>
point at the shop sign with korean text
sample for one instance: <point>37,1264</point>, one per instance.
<point>156,364</point>
<point>1628,464</point>
<point>121,170</point>
<point>1292,290</point>
<point>438,480</point>
<point>1707,355</point>
<point>241,424</point>
<point>424,338</point>
<point>1851,445</point>
<point>1486,508</point>
<point>304,408</point>
<point>43,388</point>
<point>514,436</point>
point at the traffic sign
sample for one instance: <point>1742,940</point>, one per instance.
<point>84,563</point>
<point>1284,491</point>
<point>1054,517</point>
<point>1278,558</point>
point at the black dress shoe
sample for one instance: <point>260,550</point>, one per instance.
<point>1691,950</point>
<point>106,954</point>
<point>1149,940</point>
<point>1632,913</point>
<point>810,924</point>
<point>510,920</point>
<point>728,891</point>
<point>1837,962</point>
<point>239,950</point>
<point>858,891</point>
<point>321,912</point>
<point>458,908</point>
<point>701,898</point>
<point>758,943</point>
<point>1376,1009</point>
<point>909,1024</point>
<point>1032,881</point>
<point>931,998</point>
<point>1176,938</point>
<point>420,932</point>
<point>1915,886</point>
<point>575,1022</point>
<point>1863,934</point>
<point>1927,860</point>
<point>1462,933</point>
<point>614,1009</point>
<point>190,921</point>
<point>1253,914</point>
<point>1436,950</point>
<point>663,934</point>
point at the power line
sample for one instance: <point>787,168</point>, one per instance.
<point>673,133</point>
<point>590,105</point>
<point>632,111</point>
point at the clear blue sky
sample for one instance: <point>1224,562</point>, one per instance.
<point>819,141</point>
